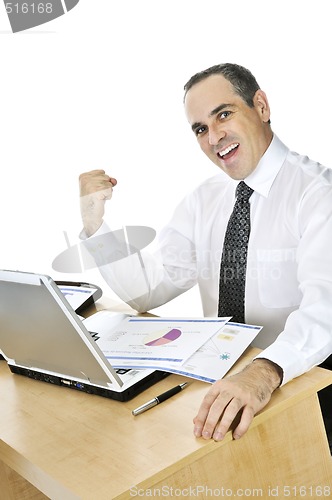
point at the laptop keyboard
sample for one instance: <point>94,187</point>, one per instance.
<point>119,371</point>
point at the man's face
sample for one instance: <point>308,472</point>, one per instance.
<point>233,135</point>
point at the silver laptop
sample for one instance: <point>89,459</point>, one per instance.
<point>42,337</point>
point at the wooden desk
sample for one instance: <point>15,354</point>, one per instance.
<point>70,445</point>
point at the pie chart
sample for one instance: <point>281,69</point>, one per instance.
<point>162,337</point>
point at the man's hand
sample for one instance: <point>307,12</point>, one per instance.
<point>247,392</point>
<point>95,188</point>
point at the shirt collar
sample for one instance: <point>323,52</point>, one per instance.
<point>262,178</point>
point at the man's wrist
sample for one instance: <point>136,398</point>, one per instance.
<point>273,372</point>
<point>91,227</point>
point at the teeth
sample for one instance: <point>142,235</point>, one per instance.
<point>227,150</point>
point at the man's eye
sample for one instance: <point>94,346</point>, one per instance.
<point>199,131</point>
<point>224,114</point>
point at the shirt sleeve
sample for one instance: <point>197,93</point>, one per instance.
<point>145,279</point>
<point>307,337</point>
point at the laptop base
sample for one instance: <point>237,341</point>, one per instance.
<point>126,395</point>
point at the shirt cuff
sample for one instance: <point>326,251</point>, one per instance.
<point>287,357</point>
<point>102,230</point>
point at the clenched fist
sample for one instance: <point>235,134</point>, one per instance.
<point>95,188</point>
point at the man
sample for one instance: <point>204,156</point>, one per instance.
<point>287,265</point>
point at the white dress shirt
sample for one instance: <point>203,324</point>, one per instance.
<point>289,268</point>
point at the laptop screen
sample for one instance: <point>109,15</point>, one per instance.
<point>39,330</point>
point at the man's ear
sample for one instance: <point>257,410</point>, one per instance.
<point>262,105</point>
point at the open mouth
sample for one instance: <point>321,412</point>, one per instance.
<point>228,152</point>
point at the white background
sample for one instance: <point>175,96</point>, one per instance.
<point>102,87</point>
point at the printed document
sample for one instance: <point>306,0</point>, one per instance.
<point>216,357</point>
<point>200,348</point>
<point>157,342</point>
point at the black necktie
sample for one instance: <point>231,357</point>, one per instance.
<point>234,257</point>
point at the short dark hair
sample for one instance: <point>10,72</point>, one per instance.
<point>243,81</point>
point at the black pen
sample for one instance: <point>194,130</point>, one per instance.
<point>159,399</point>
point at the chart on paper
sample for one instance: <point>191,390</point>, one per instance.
<point>162,337</point>
<point>141,342</point>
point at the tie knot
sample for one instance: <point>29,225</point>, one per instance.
<point>243,191</point>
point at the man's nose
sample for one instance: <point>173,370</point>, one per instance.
<point>216,133</point>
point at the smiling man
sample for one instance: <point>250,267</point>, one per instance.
<point>233,134</point>
<point>255,238</point>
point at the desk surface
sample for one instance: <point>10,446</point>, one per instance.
<point>73,445</point>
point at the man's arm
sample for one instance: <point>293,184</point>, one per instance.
<point>142,279</point>
<point>246,392</point>
<point>95,188</point>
